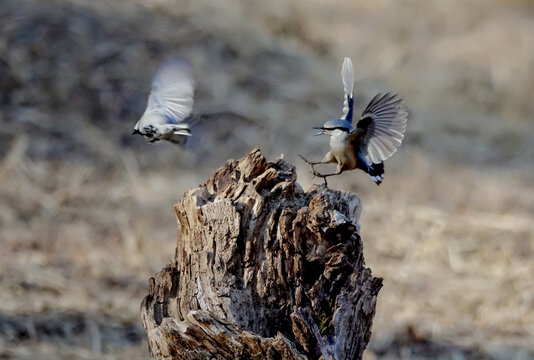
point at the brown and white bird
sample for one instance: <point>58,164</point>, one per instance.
<point>170,104</point>
<point>377,135</point>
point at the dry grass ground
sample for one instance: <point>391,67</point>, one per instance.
<point>85,209</point>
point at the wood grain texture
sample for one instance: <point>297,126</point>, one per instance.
<point>262,270</point>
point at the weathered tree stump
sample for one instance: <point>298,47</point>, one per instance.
<point>262,270</point>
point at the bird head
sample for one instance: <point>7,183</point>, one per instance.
<point>330,126</point>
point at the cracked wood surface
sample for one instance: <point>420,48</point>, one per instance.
<point>262,270</point>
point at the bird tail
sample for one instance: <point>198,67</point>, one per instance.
<point>177,139</point>
<point>376,172</point>
<point>176,129</point>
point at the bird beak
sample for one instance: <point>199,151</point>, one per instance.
<point>136,132</point>
<point>323,131</point>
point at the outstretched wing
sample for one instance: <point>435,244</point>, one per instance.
<point>381,128</point>
<point>172,91</point>
<point>347,75</point>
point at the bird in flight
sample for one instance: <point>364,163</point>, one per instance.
<point>377,135</point>
<point>170,104</point>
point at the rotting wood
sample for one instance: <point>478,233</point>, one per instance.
<point>263,270</point>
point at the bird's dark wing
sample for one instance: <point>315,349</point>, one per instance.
<point>381,128</point>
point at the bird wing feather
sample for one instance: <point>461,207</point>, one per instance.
<point>172,91</point>
<point>381,128</point>
<point>347,75</point>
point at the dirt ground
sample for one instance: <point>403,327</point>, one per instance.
<point>86,209</point>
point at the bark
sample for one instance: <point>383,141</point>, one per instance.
<point>262,270</point>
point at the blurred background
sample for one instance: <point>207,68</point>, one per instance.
<point>86,209</point>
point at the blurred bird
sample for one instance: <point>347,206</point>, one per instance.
<point>377,135</point>
<point>170,104</point>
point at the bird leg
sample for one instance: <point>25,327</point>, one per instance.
<point>315,172</point>
<point>324,176</point>
<point>312,164</point>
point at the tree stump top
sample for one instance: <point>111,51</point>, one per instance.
<point>262,270</point>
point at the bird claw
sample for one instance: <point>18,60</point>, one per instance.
<point>315,174</point>
<point>305,160</point>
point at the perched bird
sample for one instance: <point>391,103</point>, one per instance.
<point>170,103</point>
<point>377,135</point>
